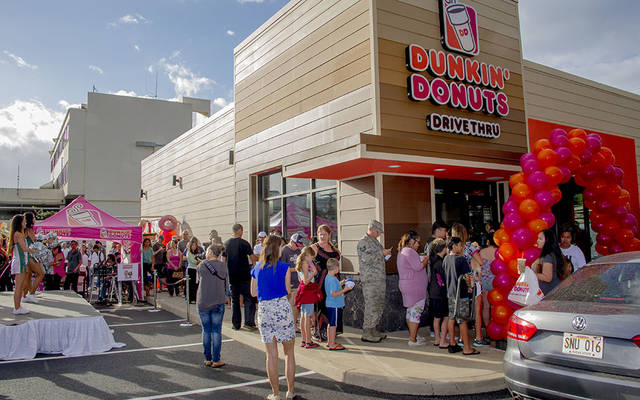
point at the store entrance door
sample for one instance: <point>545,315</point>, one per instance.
<point>571,212</point>
<point>472,203</point>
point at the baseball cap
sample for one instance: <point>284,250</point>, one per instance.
<point>262,234</point>
<point>297,238</point>
<point>377,225</point>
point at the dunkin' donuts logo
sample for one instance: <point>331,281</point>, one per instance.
<point>459,27</point>
<point>79,216</point>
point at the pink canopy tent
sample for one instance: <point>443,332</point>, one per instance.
<point>83,220</point>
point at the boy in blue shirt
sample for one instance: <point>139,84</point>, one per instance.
<point>334,301</point>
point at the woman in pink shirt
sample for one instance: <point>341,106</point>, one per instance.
<point>59,271</point>
<point>413,283</point>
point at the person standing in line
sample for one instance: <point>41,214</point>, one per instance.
<point>570,250</point>
<point>483,307</point>
<point>194,257</point>
<point>412,283</point>
<point>147,262</point>
<point>334,301</point>
<point>289,254</point>
<point>238,253</point>
<point>549,265</point>
<point>159,264</point>
<point>5,274</point>
<point>19,249</point>
<point>214,238</point>
<point>307,294</point>
<point>270,283</point>
<point>325,250</point>
<point>371,258</point>
<point>65,250</point>
<point>57,265</point>
<point>96,259</point>
<point>438,231</point>
<point>257,248</point>
<point>211,300</point>
<point>74,260</point>
<point>438,305</point>
<point>173,266</point>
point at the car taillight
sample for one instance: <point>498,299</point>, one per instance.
<point>520,329</point>
<point>636,340</point>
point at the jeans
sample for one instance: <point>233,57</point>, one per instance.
<point>212,332</point>
<point>242,288</point>
<point>71,281</point>
<point>105,286</point>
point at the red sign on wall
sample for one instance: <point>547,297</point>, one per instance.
<point>459,27</point>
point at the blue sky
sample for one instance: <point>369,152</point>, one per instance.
<point>53,52</point>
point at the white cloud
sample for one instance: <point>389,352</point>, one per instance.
<point>66,105</point>
<point>590,38</point>
<point>27,128</point>
<point>96,69</point>
<point>220,102</point>
<point>185,82</point>
<point>136,47</point>
<point>20,62</point>
<point>129,19</point>
<point>230,32</point>
<point>122,92</point>
<point>150,69</point>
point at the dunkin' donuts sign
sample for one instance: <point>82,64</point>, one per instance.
<point>470,84</point>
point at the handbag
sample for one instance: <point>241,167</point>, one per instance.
<point>526,291</point>
<point>177,274</point>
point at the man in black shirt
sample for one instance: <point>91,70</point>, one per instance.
<point>74,260</point>
<point>238,251</point>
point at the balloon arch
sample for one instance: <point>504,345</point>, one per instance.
<point>535,190</point>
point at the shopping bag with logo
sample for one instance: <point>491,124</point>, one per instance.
<point>526,291</point>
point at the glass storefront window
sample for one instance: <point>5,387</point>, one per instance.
<point>298,215</point>
<point>271,185</point>
<point>322,183</point>
<point>326,213</point>
<point>273,212</point>
<point>295,185</point>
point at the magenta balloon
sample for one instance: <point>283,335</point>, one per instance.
<point>634,229</point>
<point>530,167</point>
<point>615,248</point>
<point>544,198</point>
<point>621,212</point>
<point>564,154</point>
<point>595,136</point>
<point>558,132</point>
<point>604,239</point>
<point>496,331</point>
<point>609,172</point>
<point>590,175</point>
<point>525,158</point>
<point>586,157</point>
<point>566,174</point>
<point>538,180</point>
<point>531,255</point>
<point>523,238</point>
<point>589,194</point>
<point>512,222</point>
<point>549,218</point>
<point>504,282</point>
<point>597,226</point>
<point>559,142</point>
<point>498,266</point>
<point>629,221</point>
<point>605,206</point>
<point>594,144</point>
<point>510,207</point>
<point>619,174</point>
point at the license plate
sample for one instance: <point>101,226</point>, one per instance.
<point>583,345</point>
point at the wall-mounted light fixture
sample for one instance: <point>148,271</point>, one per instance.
<point>177,181</point>
<point>230,157</point>
<point>143,193</point>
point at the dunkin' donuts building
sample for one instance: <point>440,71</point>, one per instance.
<point>406,111</point>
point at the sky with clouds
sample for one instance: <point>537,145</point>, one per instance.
<point>53,53</point>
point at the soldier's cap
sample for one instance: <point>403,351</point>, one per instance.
<point>377,225</point>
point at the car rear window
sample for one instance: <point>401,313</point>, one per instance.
<point>607,283</point>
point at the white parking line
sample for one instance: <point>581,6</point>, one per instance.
<point>147,323</point>
<point>214,389</point>
<point>175,346</point>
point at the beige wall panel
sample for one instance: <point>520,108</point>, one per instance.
<point>354,219</point>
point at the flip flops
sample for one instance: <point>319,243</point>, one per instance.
<point>337,347</point>
<point>473,353</point>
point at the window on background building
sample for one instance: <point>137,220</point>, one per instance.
<point>294,205</point>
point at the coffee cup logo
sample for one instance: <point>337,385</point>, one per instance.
<point>78,216</point>
<point>459,27</point>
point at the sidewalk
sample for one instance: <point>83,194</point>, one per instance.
<point>388,367</point>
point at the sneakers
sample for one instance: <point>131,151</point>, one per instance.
<point>31,299</point>
<point>290,395</point>
<point>20,311</point>
<point>250,327</point>
<point>421,339</point>
<point>416,343</point>
<point>482,342</point>
<point>274,397</point>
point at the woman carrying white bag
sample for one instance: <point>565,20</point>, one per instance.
<point>545,269</point>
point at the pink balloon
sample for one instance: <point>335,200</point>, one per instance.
<point>504,282</point>
<point>530,167</point>
<point>512,222</point>
<point>560,142</point>
<point>594,143</point>
<point>564,154</point>
<point>589,194</point>
<point>558,132</point>
<point>498,266</point>
<point>538,180</point>
<point>619,174</point>
<point>496,332</point>
<point>605,206</point>
<point>590,175</point>
<point>510,207</point>
<point>586,157</point>
<point>526,157</point>
<point>549,218</point>
<point>544,198</point>
<point>609,172</point>
<point>621,212</point>
<point>566,174</point>
<point>523,238</point>
<point>604,239</point>
<point>531,255</point>
<point>629,221</point>
<point>616,248</point>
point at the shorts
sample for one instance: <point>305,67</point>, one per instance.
<point>333,315</point>
<point>415,311</point>
<point>306,310</point>
<point>275,320</point>
<point>16,268</point>
<point>439,308</point>
<point>463,313</point>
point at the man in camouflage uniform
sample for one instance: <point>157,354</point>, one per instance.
<point>371,257</point>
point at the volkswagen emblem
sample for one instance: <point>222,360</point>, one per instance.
<point>579,323</point>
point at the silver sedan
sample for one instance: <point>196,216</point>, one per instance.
<point>583,340</point>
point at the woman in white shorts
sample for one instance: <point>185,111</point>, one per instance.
<point>271,283</point>
<point>19,249</point>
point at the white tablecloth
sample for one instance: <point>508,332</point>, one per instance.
<point>67,336</point>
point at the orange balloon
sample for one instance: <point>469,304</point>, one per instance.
<point>540,145</point>
<point>578,133</point>
<point>521,191</point>
<point>623,198</point>
<point>574,163</point>
<point>537,225</point>
<point>577,146</point>
<point>495,297</point>
<point>500,236</point>
<point>554,174</point>
<point>516,178</point>
<point>500,314</point>
<point>508,251</point>
<point>547,158</point>
<point>608,155</point>
<point>529,209</point>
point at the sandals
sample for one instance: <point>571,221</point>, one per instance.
<point>337,347</point>
<point>218,364</point>
<point>208,363</point>
<point>311,345</point>
<point>473,353</point>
